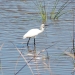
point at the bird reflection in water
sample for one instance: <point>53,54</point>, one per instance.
<point>32,52</point>
<point>38,55</point>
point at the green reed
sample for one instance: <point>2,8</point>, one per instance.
<point>42,10</point>
<point>55,14</point>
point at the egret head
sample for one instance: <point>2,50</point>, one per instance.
<point>42,26</point>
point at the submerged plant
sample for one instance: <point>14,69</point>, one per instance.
<point>55,14</point>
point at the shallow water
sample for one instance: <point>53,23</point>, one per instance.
<point>16,18</point>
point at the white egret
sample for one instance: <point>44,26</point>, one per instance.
<point>33,33</point>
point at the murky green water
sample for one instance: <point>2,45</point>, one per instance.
<point>16,18</point>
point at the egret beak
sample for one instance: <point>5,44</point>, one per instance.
<point>46,25</point>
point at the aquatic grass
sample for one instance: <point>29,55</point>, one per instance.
<point>52,14</point>
<point>42,10</point>
<point>55,14</point>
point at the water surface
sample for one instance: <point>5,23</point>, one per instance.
<point>16,18</point>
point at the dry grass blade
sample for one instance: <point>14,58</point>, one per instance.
<point>17,64</point>
<point>70,54</point>
<point>0,60</point>
<point>1,46</point>
<point>48,67</point>
<point>24,59</point>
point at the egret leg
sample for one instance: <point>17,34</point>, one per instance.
<point>34,41</point>
<point>28,41</point>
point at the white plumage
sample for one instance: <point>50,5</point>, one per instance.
<point>33,33</point>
